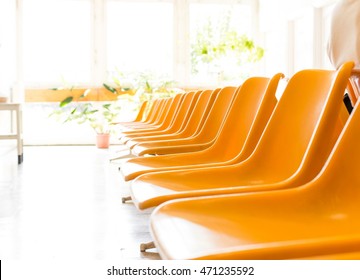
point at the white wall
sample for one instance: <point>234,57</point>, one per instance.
<point>7,46</point>
<point>294,34</point>
<point>7,57</point>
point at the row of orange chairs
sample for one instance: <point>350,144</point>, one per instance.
<point>273,180</point>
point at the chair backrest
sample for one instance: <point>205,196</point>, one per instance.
<point>199,113</point>
<point>247,118</point>
<point>217,114</point>
<point>141,113</point>
<point>174,106</point>
<point>338,183</point>
<point>154,110</point>
<point>302,130</point>
<point>150,110</point>
<point>183,111</point>
<point>162,112</point>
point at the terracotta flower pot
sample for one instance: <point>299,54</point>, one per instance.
<point>102,140</point>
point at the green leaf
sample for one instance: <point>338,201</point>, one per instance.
<point>66,101</point>
<point>86,92</point>
<point>117,81</point>
<point>107,106</point>
<point>109,88</point>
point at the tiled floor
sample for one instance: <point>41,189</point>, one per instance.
<point>65,202</point>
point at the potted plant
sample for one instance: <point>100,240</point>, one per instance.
<point>99,115</point>
<point>127,90</point>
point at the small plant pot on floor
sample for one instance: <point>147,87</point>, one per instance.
<point>102,140</point>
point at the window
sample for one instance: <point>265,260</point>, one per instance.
<point>57,42</point>
<point>81,42</point>
<point>210,23</point>
<point>61,38</point>
<point>303,45</point>
<point>274,28</point>
<point>140,37</point>
<point>275,58</point>
<point>326,16</point>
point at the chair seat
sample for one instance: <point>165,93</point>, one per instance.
<point>280,225</point>
<point>141,165</point>
<point>165,147</point>
<point>150,190</point>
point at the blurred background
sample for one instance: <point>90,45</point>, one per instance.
<point>144,49</point>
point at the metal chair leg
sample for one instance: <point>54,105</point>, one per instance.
<point>146,246</point>
<point>125,198</point>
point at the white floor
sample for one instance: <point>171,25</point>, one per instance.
<point>65,202</point>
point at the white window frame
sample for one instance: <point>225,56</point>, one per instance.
<point>181,39</point>
<point>181,44</point>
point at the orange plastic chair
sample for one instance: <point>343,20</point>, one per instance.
<point>175,124</point>
<point>139,117</point>
<point>293,148</point>
<point>151,110</point>
<point>238,136</point>
<point>187,121</point>
<point>202,140</point>
<point>319,220</point>
<point>167,119</point>
<point>151,117</point>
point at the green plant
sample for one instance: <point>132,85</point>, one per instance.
<point>142,85</point>
<point>214,42</point>
<point>130,89</point>
<point>99,115</point>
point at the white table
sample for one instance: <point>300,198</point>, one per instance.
<point>18,134</point>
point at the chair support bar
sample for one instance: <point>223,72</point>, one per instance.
<point>146,246</point>
<point>125,198</point>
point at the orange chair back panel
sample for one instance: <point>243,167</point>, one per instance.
<point>293,148</point>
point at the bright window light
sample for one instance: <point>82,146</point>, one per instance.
<point>57,41</point>
<point>303,45</point>
<point>218,18</point>
<point>140,37</point>
<point>327,11</point>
